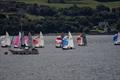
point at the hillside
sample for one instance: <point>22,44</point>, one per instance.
<point>94,18</point>
<point>90,3</point>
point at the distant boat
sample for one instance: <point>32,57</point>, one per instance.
<point>68,42</point>
<point>16,42</point>
<point>71,43</point>
<point>116,39</point>
<point>42,40</point>
<point>5,40</point>
<point>26,46</point>
<point>38,41</point>
<point>58,42</point>
<point>26,41</point>
<point>65,43</point>
<point>81,40</point>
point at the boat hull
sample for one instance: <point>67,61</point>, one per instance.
<point>24,51</point>
<point>118,43</point>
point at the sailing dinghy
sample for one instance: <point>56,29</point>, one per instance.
<point>116,39</point>
<point>65,43</point>
<point>5,40</point>
<point>81,40</point>
<point>68,42</point>
<point>16,42</point>
<point>58,42</point>
<point>38,41</point>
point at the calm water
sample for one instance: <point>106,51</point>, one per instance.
<point>99,60</point>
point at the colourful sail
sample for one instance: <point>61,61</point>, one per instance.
<point>16,42</point>
<point>58,42</point>
<point>26,41</point>
<point>36,41</point>
<point>65,42</point>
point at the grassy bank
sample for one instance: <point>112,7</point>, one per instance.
<point>81,3</point>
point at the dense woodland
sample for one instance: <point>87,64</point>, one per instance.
<point>16,16</point>
<point>107,0</point>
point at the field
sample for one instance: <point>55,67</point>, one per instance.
<point>81,3</point>
<point>99,60</point>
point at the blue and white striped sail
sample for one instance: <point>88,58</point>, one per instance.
<point>116,39</point>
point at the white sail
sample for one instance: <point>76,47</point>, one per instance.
<point>42,39</point>
<point>8,40</point>
<point>118,39</point>
<point>58,42</point>
<point>5,40</point>
<point>36,41</point>
<point>71,43</point>
<point>2,41</point>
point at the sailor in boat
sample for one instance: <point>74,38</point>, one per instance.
<point>81,39</point>
<point>58,42</point>
<point>3,41</point>
<point>116,39</point>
